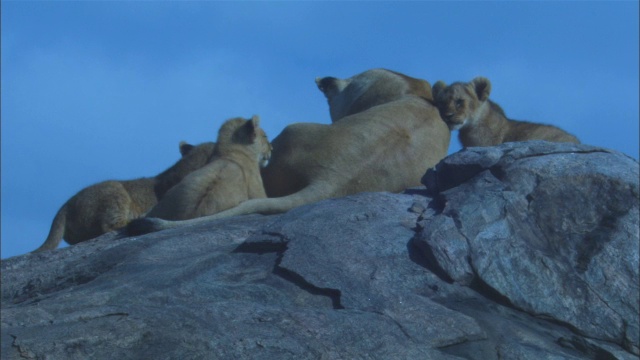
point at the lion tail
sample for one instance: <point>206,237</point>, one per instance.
<point>264,206</point>
<point>278,205</point>
<point>57,231</point>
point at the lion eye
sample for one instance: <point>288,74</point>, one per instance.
<point>459,103</point>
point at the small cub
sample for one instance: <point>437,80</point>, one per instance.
<point>110,205</point>
<point>232,177</point>
<point>466,107</point>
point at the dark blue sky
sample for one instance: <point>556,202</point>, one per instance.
<point>106,90</point>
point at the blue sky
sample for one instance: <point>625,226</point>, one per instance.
<point>106,90</point>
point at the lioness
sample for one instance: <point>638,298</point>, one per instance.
<point>385,133</point>
<point>232,177</point>
<point>466,107</point>
<point>110,205</point>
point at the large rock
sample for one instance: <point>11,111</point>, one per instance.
<point>522,251</point>
<point>549,229</point>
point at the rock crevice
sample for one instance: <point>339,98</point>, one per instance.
<point>527,251</point>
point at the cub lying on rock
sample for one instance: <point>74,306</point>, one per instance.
<point>232,176</point>
<point>385,134</point>
<point>466,107</point>
<point>110,205</point>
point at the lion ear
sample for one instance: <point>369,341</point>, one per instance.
<point>325,83</point>
<point>255,119</point>
<point>185,148</point>
<point>438,87</point>
<point>251,126</point>
<point>482,87</point>
<point>429,90</point>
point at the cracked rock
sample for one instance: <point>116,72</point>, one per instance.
<point>552,229</point>
<point>523,251</point>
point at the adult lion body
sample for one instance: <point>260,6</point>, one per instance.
<point>466,107</point>
<point>232,176</point>
<point>385,134</point>
<point>110,205</point>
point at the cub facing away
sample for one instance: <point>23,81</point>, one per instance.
<point>385,134</point>
<point>110,205</point>
<point>466,107</point>
<point>232,176</point>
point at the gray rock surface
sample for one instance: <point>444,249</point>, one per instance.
<point>526,251</point>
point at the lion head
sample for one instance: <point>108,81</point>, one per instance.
<point>246,132</point>
<point>459,103</point>
<point>368,89</point>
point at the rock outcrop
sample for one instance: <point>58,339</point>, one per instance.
<point>521,251</point>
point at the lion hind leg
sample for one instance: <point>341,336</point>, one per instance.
<point>115,221</point>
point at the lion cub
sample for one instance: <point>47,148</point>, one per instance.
<point>110,205</point>
<point>466,106</point>
<point>232,177</point>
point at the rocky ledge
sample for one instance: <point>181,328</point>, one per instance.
<point>521,251</point>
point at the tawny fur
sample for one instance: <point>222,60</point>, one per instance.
<point>385,134</point>
<point>232,177</point>
<point>110,205</point>
<point>466,107</point>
